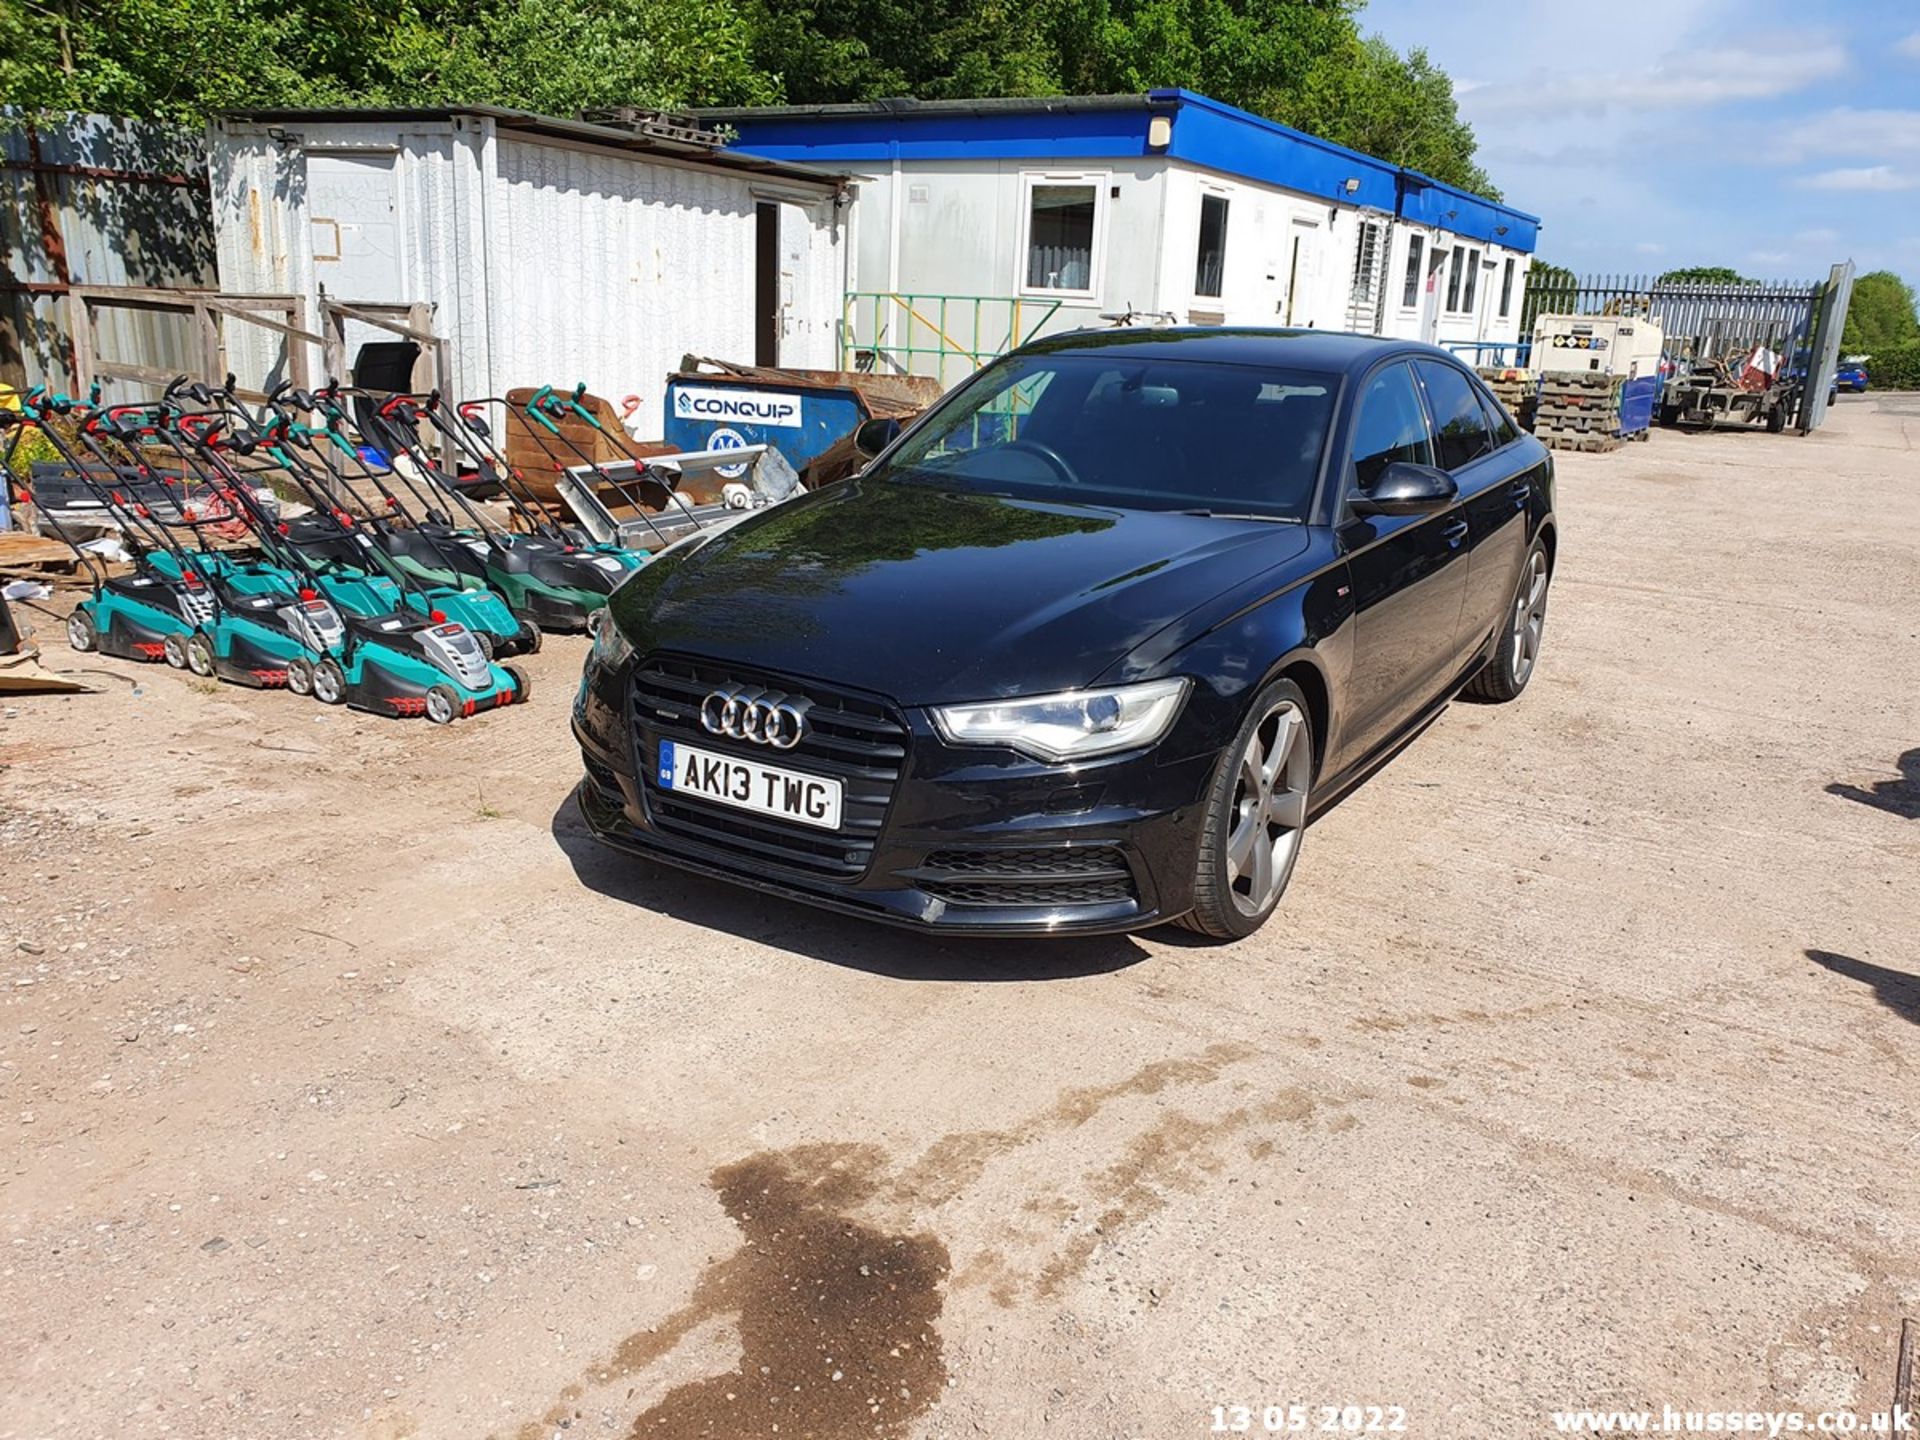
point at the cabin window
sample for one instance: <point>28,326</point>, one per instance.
<point>1506,288</point>
<point>1063,233</point>
<point>1410,294</point>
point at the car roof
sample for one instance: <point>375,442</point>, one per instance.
<point>1325,351</point>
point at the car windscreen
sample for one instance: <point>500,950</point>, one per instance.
<point>1150,434</point>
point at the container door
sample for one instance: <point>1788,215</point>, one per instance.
<point>766,283</point>
<point>1303,270</point>
<point>354,225</point>
<point>1270,295</point>
<point>1430,292</point>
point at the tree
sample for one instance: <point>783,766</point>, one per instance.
<point>1296,61</point>
<point>185,59</point>
<point>839,51</point>
<point>1880,316</point>
<point>1301,62</point>
<point>1703,275</point>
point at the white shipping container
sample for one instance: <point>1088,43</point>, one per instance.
<point>549,251</point>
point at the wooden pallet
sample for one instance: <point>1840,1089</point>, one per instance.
<point>1578,380</point>
<point>20,550</point>
<point>1597,443</point>
<point>1579,402</point>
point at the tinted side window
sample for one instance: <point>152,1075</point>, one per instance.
<point>1460,425</point>
<point>1391,426</point>
<point>1505,432</point>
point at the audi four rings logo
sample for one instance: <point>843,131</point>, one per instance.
<point>761,716</point>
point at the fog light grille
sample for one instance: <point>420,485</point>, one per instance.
<point>1082,875</point>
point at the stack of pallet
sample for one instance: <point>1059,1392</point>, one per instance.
<point>1513,388</point>
<point>1578,410</point>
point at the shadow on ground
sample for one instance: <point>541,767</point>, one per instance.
<point>1897,797</point>
<point>1895,989</point>
<point>820,934</point>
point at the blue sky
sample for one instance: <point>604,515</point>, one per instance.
<point>1774,137</point>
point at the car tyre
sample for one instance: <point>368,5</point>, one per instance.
<point>1256,806</point>
<point>1518,653</point>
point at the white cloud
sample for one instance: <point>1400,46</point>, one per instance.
<point>1859,177</point>
<point>1820,236</point>
<point>1651,247</point>
<point>1910,47</point>
<point>1768,257</point>
<point>1709,75</point>
<point>1846,131</point>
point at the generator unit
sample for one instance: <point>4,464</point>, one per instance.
<point>1619,345</point>
<point>1599,379</point>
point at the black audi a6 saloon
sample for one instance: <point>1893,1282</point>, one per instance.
<point>1088,645</point>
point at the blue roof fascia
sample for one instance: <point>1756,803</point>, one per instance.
<point>1206,133</point>
<point>879,138</point>
<point>1426,201</point>
<point>1239,142</point>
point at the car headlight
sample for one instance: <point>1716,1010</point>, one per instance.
<point>1073,725</point>
<point>610,647</point>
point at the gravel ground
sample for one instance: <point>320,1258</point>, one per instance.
<point>349,1090</point>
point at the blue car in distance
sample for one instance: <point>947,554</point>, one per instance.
<point>1851,377</point>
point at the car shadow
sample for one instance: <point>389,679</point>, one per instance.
<point>1897,797</point>
<point>855,944</point>
<point>1898,990</point>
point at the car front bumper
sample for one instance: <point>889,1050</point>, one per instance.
<point>971,840</point>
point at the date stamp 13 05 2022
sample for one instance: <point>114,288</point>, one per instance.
<point>1297,1418</point>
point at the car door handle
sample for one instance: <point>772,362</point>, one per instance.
<point>1519,494</point>
<point>1456,532</point>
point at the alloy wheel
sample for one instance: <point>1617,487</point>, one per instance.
<point>1529,617</point>
<point>1269,808</point>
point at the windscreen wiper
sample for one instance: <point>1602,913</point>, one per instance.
<point>1207,514</point>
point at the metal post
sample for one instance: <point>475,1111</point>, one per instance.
<point>80,336</point>
<point>213,349</point>
<point>46,190</point>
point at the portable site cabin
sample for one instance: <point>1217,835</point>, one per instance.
<point>984,222</point>
<point>545,251</point>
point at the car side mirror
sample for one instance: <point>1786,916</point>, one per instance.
<point>875,435</point>
<point>1406,488</point>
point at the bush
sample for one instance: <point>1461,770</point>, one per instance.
<point>29,450</point>
<point>1895,369</point>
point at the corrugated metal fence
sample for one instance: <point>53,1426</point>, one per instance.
<point>98,201</point>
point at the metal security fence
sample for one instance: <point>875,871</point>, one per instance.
<point>1697,317</point>
<point>1712,321</point>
